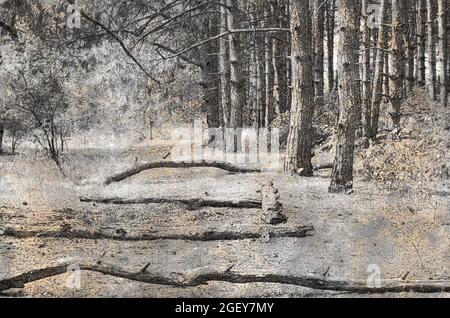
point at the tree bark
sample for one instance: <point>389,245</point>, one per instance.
<point>224,65</point>
<point>298,151</point>
<point>443,53</point>
<point>236,81</point>
<point>318,31</point>
<point>431,49</point>
<point>420,41</point>
<point>398,56</point>
<point>210,83</point>
<point>377,86</point>
<point>365,68</point>
<point>349,94</point>
<point>330,43</point>
<point>2,132</point>
<point>268,68</point>
<point>411,45</point>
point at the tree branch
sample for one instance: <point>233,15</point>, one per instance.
<point>119,40</point>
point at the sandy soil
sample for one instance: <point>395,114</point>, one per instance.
<point>404,235</point>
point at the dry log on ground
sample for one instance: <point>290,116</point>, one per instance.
<point>271,206</point>
<point>191,204</point>
<point>204,275</point>
<point>323,166</point>
<point>196,233</point>
<point>171,164</point>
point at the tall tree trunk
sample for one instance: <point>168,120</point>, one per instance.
<point>398,59</point>
<point>284,51</point>
<point>278,61</point>
<point>298,151</point>
<point>349,94</point>
<point>268,68</point>
<point>276,76</point>
<point>377,86</point>
<point>443,53</point>
<point>365,76</point>
<point>210,83</point>
<point>2,132</point>
<point>387,72</point>
<point>259,87</point>
<point>288,59</point>
<point>431,49</point>
<point>411,45</point>
<point>318,31</point>
<point>224,66</point>
<point>253,71</point>
<point>236,81</point>
<point>330,43</point>
<point>420,55</point>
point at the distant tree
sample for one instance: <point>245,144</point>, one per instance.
<point>37,98</point>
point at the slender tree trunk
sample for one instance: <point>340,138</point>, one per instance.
<point>420,56</point>
<point>377,86</point>
<point>259,88</point>
<point>431,49</point>
<point>237,82</point>
<point>210,83</point>
<point>365,76</point>
<point>14,140</point>
<point>289,62</point>
<point>276,59</point>
<point>330,43</point>
<point>349,94</point>
<point>387,72</point>
<point>284,51</point>
<point>411,45</point>
<point>398,56</point>
<point>276,77</point>
<point>2,132</point>
<point>224,66</point>
<point>253,71</point>
<point>298,151</point>
<point>443,53</point>
<point>268,81</point>
<point>318,31</point>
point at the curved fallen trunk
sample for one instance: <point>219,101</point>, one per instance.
<point>171,164</point>
<point>202,276</point>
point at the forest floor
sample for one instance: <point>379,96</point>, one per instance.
<point>133,250</point>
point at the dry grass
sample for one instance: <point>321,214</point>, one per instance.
<point>417,157</point>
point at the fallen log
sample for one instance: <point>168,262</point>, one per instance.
<point>191,204</point>
<point>323,166</point>
<point>202,276</point>
<point>171,164</point>
<point>271,206</point>
<point>165,233</point>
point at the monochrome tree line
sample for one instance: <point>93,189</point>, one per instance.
<point>259,59</point>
